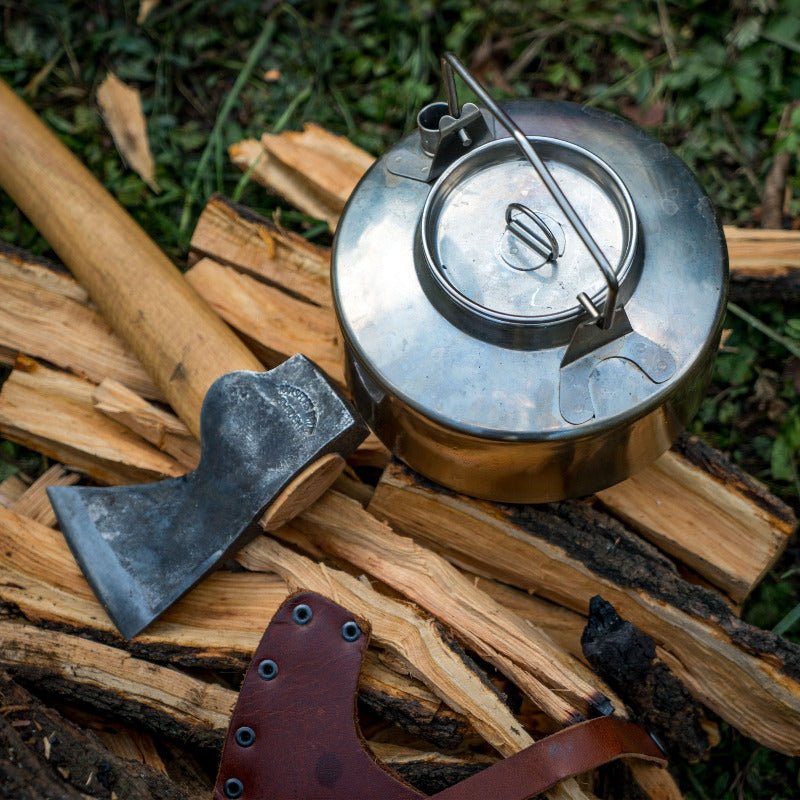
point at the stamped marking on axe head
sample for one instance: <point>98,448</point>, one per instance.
<point>143,547</point>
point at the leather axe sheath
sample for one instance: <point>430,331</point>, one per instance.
<point>271,442</point>
<point>293,733</point>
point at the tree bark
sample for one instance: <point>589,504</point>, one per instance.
<point>568,552</point>
<point>62,760</point>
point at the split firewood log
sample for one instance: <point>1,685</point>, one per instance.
<point>314,170</point>
<point>46,314</point>
<point>34,503</point>
<point>124,741</point>
<point>554,681</point>
<point>626,658</point>
<point>746,531</point>
<point>339,526</point>
<point>699,507</point>
<point>234,236</point>
<point>568,552</point>
<point>429,772</point>
<point>215,626</point>
<point>153,424</point>
<point>52,412</point>
<point>765,264</point>
<point>419,641</point>
<point>12,488</point>
<point>272,323</point>
<point>50,757</point>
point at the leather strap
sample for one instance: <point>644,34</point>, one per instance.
<point>569,752</point>
<point>294,733</point>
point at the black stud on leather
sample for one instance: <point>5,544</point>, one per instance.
<point>245,736</point>
<point>268,669</point>
<point>350,631</point>
<point>302,614</point>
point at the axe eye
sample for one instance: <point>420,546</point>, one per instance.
<point>302,614</point>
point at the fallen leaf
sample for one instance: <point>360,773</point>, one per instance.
<point>145,7</point>
<point>272,75</point>
<point>646,116</point>
<point>121,107</point>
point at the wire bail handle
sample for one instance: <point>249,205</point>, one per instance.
<point>450,64</point>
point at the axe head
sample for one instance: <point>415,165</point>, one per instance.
<point>142,547</point>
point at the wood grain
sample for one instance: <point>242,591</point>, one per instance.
<point>78,757</point>
<point>234,235</point>
<point>686,509</point>
<point>274,324</point>
<point>159,427</point>
<point>44,315</point>
<point>53,412</point>
<point>34,504</point>
<point>217,625</point>
<point>164,701</point>
<point>183,345</point>
<point>569,552</point>
<point>314,170</point>
<point>557,684</point>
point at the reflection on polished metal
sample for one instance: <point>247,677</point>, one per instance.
<point>484,345</point>
<point>450,63</point>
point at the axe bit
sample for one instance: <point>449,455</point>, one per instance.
<point>270,441</point>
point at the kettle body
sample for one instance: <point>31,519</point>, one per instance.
<point>485,344</point>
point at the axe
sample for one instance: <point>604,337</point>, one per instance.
<point>271,442</point>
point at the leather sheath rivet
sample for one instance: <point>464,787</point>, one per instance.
<point>268,669</point>
<point>350,631</point>
<point>245,736</point>
<point>302,614</point>
<point>234,788</point>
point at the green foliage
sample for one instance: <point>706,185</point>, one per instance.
<point>738,770</point>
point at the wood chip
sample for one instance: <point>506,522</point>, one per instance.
<point>145,8</point>
<point>121,106</point>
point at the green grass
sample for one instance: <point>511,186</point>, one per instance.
<point>711,80</point>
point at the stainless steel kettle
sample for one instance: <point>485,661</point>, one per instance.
<point>531,296</point>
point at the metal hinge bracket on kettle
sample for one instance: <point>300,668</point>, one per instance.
<point>446,133</point>
<point>591,345</point>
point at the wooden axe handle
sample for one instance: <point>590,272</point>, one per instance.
<point>182,343</point>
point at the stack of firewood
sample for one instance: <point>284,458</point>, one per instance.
<point>482,633</point>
